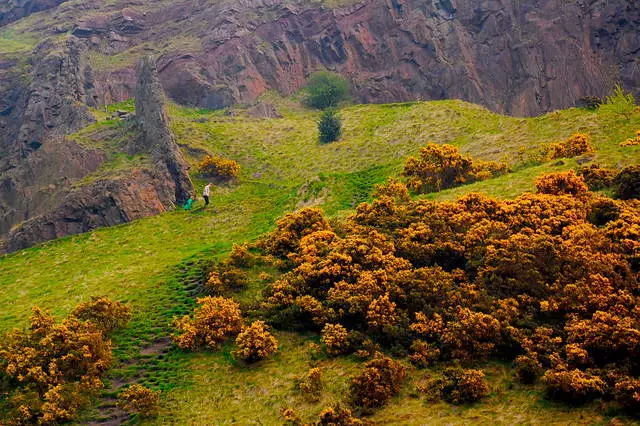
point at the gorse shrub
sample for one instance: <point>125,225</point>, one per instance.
<point>627,183</point>
<point>632,141</point>
<point>255,343</point>
<point>561,183</point>
<point>443,166</point>
<point>381,378</point>
<point>326,90</point>
<point>627,393</point>
<point>339,416</point>
<point>53,369</point>
<point>240,257</point>
<point>104,313</point>
<point>311,384</point>
<point>219,168</point>
<point>459,386</point>
<point>329,126</point>
<point>140,400</point>
<point>335,339</point>
<point>597,177</point>
<point>575,145</point>
<point>212,322</point>
<point>573,385</point>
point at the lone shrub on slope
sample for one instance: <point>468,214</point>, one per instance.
<point>218,168</point>
<point>575,145</point>
<point>139,399</point>
<point>213,321</point>
<point>255,343</point>
<point>329,126</point>
<point>381,378</point>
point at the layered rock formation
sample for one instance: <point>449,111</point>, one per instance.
<point>521,58</point>
<point>74,207</point>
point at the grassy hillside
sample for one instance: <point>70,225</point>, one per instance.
<point>150,263</point>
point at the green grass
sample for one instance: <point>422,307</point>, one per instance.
<point>147,263</point>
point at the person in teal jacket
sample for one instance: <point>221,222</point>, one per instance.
<point>188,204</point>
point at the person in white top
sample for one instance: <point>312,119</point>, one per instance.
<point>206,192</point>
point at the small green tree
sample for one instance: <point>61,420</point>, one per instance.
<point>326,90</point>
<point>619,103</point>
<point>329,126</point>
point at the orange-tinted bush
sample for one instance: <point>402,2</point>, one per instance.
<point>311,384</point>
<point>423,354</point>
<point>528,368</point>
<point>597,177</point>
<point>573,385</point>
<point>443,166</point>
<point>381,378</point>
<point>472,335</point>
<point>575,145</point>
<point>218,168</point>
<point>240,256</point>
<point>53,368</point>
<point>561,183</point>
<point>339,416</point>
<point>335,339</point>
<point>255,343</point>
<point>459,386</point>
<point>627,183</point>
<point>627,393</point>
<point>140,400</point>
<point>291,417</point>
<point>285,239</point>
<point>632,141</point>
<point>213,321</point>
<point>106,314</point>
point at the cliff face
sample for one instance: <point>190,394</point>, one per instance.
<point>71,207</point>
<point>522,58</point>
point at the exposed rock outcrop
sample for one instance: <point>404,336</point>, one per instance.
<point>78,207</point>
<point>155,137</point>
<point>103,203</point>
<point>522,58</point>
<point>54,104</point>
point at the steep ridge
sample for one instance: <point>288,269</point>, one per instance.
<point>106,202</point>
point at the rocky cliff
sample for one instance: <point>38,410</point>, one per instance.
<point>522,58</point>
<point>67,205</point>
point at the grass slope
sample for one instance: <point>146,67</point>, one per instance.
<point>283,167</point>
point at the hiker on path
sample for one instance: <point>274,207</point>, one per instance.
<point>205,194</point>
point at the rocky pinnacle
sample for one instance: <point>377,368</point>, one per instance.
<point>155,137</point>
